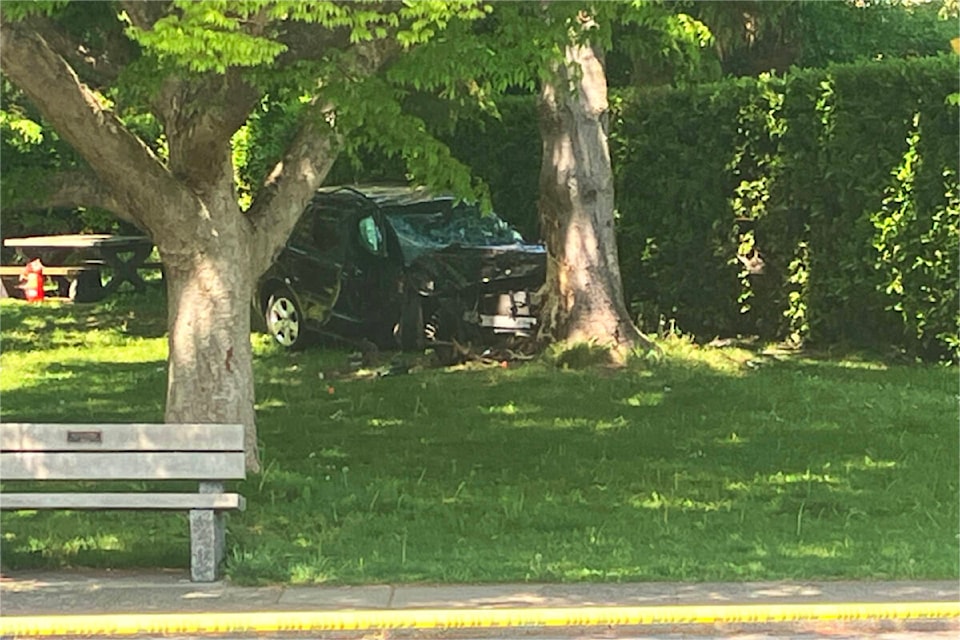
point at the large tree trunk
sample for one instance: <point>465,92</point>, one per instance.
<point>210,362</point>
<point>582,299</point>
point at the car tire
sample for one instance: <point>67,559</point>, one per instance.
<point>411,324</point>
<point>284,320</point>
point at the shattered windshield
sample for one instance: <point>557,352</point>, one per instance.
<point>464,225</point>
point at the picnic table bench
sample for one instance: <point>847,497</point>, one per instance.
<point>208,453</point>
<point>78,262</point>
<point>67,279</point>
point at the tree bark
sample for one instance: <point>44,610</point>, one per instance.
<point>210,361</point>
<point>582,298</point>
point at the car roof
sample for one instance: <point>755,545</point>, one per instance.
<point>398,195</point>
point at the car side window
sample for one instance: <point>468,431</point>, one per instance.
<point>370,236</point>
<point>325,235</point>
<point>301,236</point>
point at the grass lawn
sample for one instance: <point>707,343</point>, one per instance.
<point>707,465</point>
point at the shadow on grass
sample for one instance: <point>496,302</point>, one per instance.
<point>59,539</point>
<point>57,322</point>
<point>89,392</point>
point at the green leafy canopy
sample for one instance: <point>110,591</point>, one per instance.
<point>215,35</point>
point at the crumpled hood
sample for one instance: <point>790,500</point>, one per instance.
<point>458,267</point>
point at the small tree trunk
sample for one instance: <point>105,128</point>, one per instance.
<point>210,364</point>
<point>582,298</point>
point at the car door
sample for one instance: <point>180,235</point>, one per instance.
<point>312,263</point>
<point>370,279</point>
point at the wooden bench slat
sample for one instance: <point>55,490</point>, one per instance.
<point>146,501</point>
<point>96,465</point>
<point>120,437</point>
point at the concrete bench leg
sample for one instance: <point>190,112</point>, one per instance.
<point>206,544</point>
<point>207,538</point>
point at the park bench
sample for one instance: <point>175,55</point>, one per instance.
<point>208,453</point>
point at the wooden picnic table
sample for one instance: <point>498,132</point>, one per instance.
<point>124,255</point>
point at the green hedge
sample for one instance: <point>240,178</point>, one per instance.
<point>844,179</point>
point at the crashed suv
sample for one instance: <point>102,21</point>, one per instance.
<point>398,266</point>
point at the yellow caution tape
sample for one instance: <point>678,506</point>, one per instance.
<point>280,621</point>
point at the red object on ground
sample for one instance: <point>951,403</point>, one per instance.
<point>31,281</point>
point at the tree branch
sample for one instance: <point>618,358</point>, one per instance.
<point>144,14</point>
<point>305,42</point>
<point>97,65</point>
<point>200,114</point>
<point>294,180</point>
<point>61,190</point>
<point>291,185</point>
<point>112,152</point>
